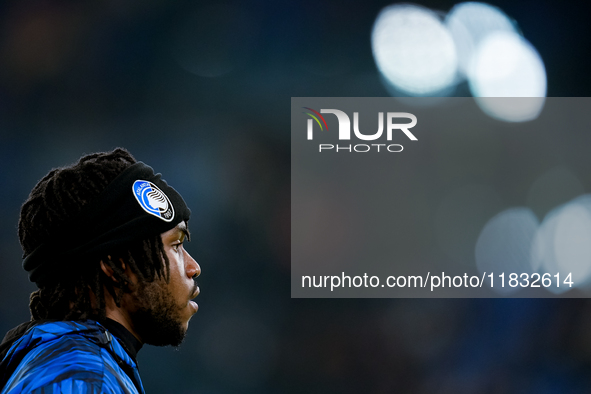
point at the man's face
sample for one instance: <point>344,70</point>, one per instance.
<point>164,309</point>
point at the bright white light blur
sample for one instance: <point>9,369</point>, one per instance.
<point>572,242</point>
<point>506,65</point>
<point>504,244</point>
<point>413,50</point>
<point>543,258</point>
<point>469,23</point>
<point>512,109</point>
<point>562,243</point>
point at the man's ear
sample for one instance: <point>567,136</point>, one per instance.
<point>109,271</point>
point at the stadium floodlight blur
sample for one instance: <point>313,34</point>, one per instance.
<point>504,244</point>
<point>506,65</point>
<point>419,55</point>
<point>497,61</point>
<point>562,243</point>
<point>413,50</point>
<point>514,241</point>
<point>469,24</point>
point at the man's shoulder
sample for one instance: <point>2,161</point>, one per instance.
<point>77,354</point>
<point>67,353</point>
<point>64,343</point>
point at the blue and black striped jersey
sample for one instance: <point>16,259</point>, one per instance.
<point>70,357</point>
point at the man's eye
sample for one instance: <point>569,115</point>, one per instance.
<point>177,246</point>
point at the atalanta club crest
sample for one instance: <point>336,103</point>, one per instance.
<point>153,200</point>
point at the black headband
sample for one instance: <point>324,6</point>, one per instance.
<point>136,205</point>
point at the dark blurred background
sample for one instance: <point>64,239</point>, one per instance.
<point>201,91</point>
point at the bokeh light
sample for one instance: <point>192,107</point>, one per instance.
<point>562,244</point>
<point>504,244</point>
<point>542,257</point>
<point>419,55</point>
<point>469,23</point>
<point>413,50</point>
<point>508,66</point>
<point>572,246</point>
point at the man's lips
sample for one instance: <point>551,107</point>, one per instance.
<point>195,292</point>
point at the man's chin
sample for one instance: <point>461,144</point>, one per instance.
<point>169,337</point>
<point>168,342</point>
<point>159,329</point>
<point>158,320</point>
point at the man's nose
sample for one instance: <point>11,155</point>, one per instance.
<point>192,267</point>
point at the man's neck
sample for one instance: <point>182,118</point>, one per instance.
<point>130,343</point>
<point>120,314</point>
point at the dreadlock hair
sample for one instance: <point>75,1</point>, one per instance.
<point>61,195</point>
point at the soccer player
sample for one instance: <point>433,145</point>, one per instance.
<point>103,241</point>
